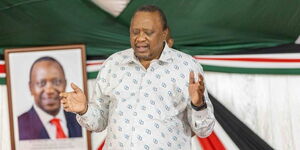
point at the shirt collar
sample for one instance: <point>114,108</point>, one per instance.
<point>166,56</point>
<point>45,117</point>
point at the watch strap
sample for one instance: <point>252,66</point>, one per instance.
<point>198,108</point>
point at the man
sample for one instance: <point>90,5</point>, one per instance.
<point>149,96</point>
<point>46,119</point>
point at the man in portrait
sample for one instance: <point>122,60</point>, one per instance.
<point>46,119</point>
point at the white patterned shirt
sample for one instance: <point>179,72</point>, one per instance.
<point>149,108</point>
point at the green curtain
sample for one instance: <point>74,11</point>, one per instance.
<point>58,22</point>
<point>198,26</point>
<point>216,26</point>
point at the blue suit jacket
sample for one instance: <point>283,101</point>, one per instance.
<point>31,127</point>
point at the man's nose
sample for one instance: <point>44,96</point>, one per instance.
<point>49,88</point>
<point>141,37</point>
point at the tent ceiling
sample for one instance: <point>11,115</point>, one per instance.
<point>198,27</point>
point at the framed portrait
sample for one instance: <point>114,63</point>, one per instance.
<point>35,78</point>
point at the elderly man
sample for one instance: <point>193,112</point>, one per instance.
<point>149,96</point>
<point>46,119</point>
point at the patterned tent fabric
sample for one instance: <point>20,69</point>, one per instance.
<point>263,63</point>
<point>242,136</point>
<point>114,7</point>
<point>197,27</point>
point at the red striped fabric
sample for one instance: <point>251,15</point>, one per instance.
<point>2,68</point>
<point>101,145</point>
<point>212,142</point>
<point>250,59</point>
<point>95,63</point>
<point>205,144</point>
<point>245,59</point>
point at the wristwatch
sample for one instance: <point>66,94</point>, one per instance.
<point>201,107</point>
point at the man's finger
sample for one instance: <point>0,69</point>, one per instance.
<point>201,87</point>
<point>200,77</point>
<point>192,78</point>
<point>63,101</point>
<point>201,83</point>
<point>63,94</point>
<point>75,88</point>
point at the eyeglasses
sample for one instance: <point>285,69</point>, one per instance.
<point>54,82</point>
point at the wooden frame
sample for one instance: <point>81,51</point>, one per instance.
<point>18,63</point>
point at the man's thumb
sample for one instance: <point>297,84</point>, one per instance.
<point>75,88</point>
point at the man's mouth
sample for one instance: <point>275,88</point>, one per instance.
<point>50,100</point>
<point>142,48</point>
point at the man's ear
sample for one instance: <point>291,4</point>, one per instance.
<point>30,87</point>
<point>165,33</point>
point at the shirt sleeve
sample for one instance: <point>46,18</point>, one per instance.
<point>96,117</point>
<point>202,122</point>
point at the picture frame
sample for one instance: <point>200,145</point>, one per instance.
<point>35,76</point>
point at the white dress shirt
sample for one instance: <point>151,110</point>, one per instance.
<point>147,108</point>
<point>46,118</point>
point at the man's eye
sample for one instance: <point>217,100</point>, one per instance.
<point>149,33</point>
<point>135,32</point>
<point>56,82</point>
<point>41,83</point>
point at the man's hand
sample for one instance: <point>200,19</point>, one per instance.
<point>75,101</point>
<point>196,89</point>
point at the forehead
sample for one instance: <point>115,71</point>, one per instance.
<point>143,19</point>
<point>49,68</point>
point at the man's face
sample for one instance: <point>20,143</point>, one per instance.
<point>147,35</point>
<point>47,81</point>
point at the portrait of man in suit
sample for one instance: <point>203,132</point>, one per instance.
<point>46,119</point>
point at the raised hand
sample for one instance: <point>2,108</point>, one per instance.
<point>75,101</point>
<point>196,89</point>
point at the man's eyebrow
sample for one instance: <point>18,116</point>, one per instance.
<point>148,30</point>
